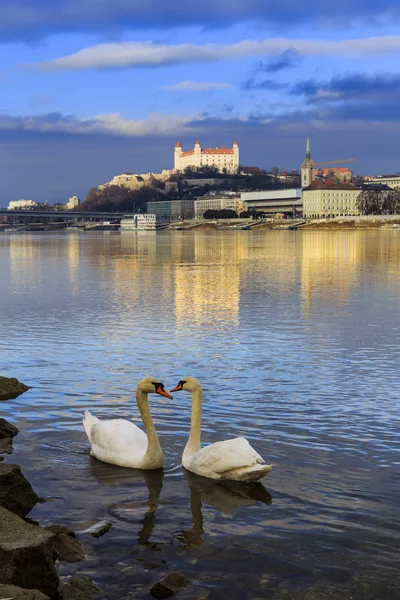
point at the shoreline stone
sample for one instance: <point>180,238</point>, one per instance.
<point>169,585</point>
<point>16,493</point>
<point>12,592</point>
<point>11,388</point>
<point>7,430</point>
<point>26,555</point>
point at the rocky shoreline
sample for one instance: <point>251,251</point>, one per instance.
<point>29,553</point>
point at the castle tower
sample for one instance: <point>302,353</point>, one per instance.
<point>307,168</point>
<point>235,166</point>
<point>177,155</point>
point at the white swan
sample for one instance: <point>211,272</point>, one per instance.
<point>120,442</point>
<point>231,459</point>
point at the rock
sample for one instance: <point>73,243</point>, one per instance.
<point>169,585</point>
<point>98,529</point>
<point>11,388</point>
<point>79,588</point>
<point>11,592</point>
<point>26,555</point>
<point>1,458</point>
<point>68,549</point>
<point>16,493</point>
<point>7,430</point>
<point>6,445</point>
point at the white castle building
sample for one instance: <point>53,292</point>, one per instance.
<point>225,159</point>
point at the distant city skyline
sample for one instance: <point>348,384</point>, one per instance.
<point>92,89</point>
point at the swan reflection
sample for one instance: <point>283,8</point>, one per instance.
<point>224,495</point>
<point>144,507</point>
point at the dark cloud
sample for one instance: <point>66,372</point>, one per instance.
<point>29,20</point>
<point>349,86</point>
<point>266,84</point>
<point>286,60</point>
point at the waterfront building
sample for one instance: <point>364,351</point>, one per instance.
<point>392,181</point>
<point>275,201</point>
<point>225,159</point>
<point>329,199</point>
<point>340,174</point>
<point>172,210</point>
<point>138,222</point>
<point>218,202</point>
<point>21,204</point>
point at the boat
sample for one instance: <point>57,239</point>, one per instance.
<point>139,222</point>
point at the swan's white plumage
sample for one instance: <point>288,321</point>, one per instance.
<point>121,442</point>
<point>233,459</point>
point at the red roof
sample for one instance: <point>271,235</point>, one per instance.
<point>178,145</point>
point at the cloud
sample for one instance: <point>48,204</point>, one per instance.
<point>285,60</point>
<point>149,54</point>
<point>350,86</point>
<point>112,124</point>
<point>197,86</point>
<point>267,84</point>
<point>27,20</point>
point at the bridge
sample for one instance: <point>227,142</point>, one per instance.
<point>70,215</point>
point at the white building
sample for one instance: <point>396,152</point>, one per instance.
<point>392,181</point>
<point>73,202</point>
<point>330,200</point>
<point>225,159</point>
<point>139,222</point>
<point>275,201</point>
<point>15,204</point>
<point>204,203</point>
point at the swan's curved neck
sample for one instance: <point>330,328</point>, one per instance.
<point>193,443</point>
<point>153,446</point>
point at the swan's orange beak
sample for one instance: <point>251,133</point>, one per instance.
<point>177,388</point>
<point>163,392</point>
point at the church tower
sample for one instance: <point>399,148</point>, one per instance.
<point>307,168</point>
<point>177,156</point>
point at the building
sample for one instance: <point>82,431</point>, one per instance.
<point>15,204</point>
<point>172,210</point>
<point>329,199</point>
<point>392,181</point>
<point>341,174</point>
<point>73,202</point>
<point>307,168</point>
<point>134,181</point>
<point>140,221</point>
<point>311,171</point>
<point>225,159</point>
<point>275,201</point>
<point>218,202</point>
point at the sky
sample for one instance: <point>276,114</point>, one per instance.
<point>93,88</point>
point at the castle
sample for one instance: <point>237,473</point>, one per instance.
<point>225,159</point>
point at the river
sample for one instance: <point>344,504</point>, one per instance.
<point>295,337</point>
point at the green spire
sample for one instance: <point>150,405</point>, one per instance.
<point>308,159</point>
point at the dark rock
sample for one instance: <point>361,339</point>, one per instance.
<point>60,529</point>
<point>169,585</point>
<point>26,555</point>
<point>11,592</point>
<point>11,388</point>
<point>98,529</point>
<point>6,445</point>
<point>68,549</point>
<point>79,588</point>
<point>1,458</point>
<point>7,430</point>
<point>16,493</point>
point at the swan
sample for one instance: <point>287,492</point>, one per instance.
<point>231,459</point>
<point>121,442</point>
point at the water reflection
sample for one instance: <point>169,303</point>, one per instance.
<point>130,511</point>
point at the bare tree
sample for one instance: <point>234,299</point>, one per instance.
<point>379,202</point>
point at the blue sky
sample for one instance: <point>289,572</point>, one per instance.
<point>92,88</point>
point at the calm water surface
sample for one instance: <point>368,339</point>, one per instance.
<point>295,338</point>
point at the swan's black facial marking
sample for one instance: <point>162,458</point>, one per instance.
<point>179,386</point>
<point>159,389</point>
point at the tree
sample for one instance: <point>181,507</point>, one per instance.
<point>275,171</point>
<point>116,198</point>
<point>379,202</point>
